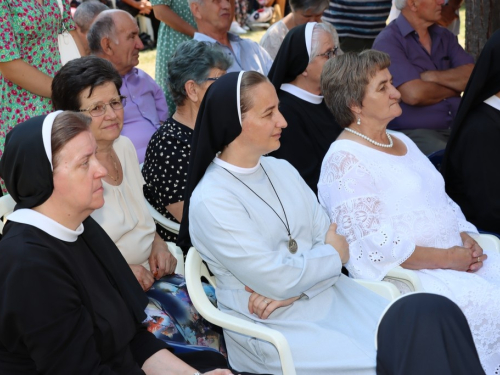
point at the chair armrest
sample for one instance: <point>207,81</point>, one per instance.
<point>7,205</point>
<point>194,270</point>
<point>176,251</point>
<point>382,288</point>
<point>408,277</point>
<point>488,241</point>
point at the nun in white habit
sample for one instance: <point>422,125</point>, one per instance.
<point>259,227</point>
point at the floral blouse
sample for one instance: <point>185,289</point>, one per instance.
<point>28,31</point>
<point>165,169</point>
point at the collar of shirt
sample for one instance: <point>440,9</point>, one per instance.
<point>205,38</point>
<point>133,71</point>
<point>405,28</point>
<point>46,224</point>
<point>493,101</point>
<point>301,93</point>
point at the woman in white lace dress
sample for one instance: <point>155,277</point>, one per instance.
<point>390,202</point>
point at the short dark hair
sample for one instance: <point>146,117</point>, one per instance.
<point>344,80</point>
<point>79,74</point>
<point>66,126</point>
<point>249,80</point>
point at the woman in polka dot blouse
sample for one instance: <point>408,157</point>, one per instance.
<point>193,68</point>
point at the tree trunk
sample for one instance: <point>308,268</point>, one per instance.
<point>482,19</point>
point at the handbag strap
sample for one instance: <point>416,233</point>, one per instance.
<point>61,7</point>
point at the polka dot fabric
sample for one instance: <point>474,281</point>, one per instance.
<point>28,31</point>
<point>165,169</point>
<point>168,40</point>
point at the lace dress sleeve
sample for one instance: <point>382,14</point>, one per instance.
<point>348,191</point>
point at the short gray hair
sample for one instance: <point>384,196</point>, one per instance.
<point>193,60</point>
<point>86,12</point>
<point>102,27</point>
<point>344,80</point>
<point>323,27</point>
<point>315,6</point>
<point>400,4</point>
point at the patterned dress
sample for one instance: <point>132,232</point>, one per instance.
<point>168,40</point>
<point>165,169</point>
<point>385,205</point>
<point>28,31</point>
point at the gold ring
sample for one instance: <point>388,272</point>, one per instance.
<point>266,301</point>
<point>478,259</point>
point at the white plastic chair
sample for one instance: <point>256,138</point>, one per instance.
<point>6,207</point>
<point>195,269</point>
<point>408,281</point>
<point>172,227</point>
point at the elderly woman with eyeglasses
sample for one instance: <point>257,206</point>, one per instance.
<point>295,74</point>
<point>192,69</point>
<point>91,85</point>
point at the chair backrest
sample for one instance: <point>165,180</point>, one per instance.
<point>159,218</point>
<point>195,269</point>
<point>7,205</point>
<point>436,158</point>
<point>162,220</point>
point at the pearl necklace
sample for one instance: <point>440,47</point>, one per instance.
<point>391,143</point>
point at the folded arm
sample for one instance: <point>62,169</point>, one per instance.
<point>165,14</point>
<point>455,79</point>
<point>421,93</point>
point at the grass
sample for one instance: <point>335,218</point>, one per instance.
<point>148,58</point>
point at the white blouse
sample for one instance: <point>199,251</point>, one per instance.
<point>124,216</point>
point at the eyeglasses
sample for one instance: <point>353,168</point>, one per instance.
<point>99,109</point>
<point>329,54</point>
<point>212,78</point>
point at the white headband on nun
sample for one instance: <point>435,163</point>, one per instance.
<point>308,34</point>
<point>47,135</point>
<point>238,96</point>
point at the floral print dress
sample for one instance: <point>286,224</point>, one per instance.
<point>168,40</point>
<point>28,31</point>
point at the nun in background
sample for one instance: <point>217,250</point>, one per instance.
<point>277,260</point>
<point>473,152</point>
<point>69,303</point>
<point>295,74</point>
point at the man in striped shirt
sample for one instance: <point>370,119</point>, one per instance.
<point>358,22</point>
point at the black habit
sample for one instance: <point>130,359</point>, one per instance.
<point>473,152</point>
<point>311,126</point>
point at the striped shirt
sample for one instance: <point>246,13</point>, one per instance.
<point>358,18</point>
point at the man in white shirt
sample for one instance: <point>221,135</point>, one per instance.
<point>213,19</point>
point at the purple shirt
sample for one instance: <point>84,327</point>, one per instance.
<point>409,58</point>
<point>145,110</point>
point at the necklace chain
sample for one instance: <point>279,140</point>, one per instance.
<point>287,226</point>
<point>391,143</point>
<point>116,169</point>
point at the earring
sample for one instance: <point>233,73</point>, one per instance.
<point>359,121</point>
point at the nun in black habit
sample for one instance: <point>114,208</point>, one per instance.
<point>472,155</point>
<point>296,75</point>
<point>69,303</point>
